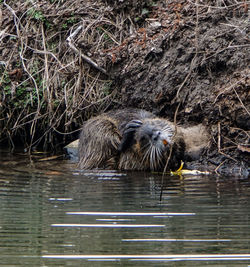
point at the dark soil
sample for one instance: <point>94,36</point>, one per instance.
<point>159,55</point>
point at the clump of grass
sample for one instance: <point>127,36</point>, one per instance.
<point>50,86</point>
<point>47,87</point>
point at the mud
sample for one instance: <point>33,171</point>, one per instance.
<point>201,61</point>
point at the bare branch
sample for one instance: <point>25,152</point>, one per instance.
<point>87,59</point>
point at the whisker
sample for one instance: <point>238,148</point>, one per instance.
<point>152,163</point>
<point>159,156</point>
<point>146,154</point>
<point>143,147</point>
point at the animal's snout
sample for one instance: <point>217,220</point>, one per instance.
<point>156,135</point>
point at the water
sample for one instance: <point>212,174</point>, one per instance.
<point>52,214</point>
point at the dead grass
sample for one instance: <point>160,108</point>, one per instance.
<point>48,85</point>
<point>61,59</point>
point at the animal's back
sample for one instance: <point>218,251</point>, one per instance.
<point>100,137</point>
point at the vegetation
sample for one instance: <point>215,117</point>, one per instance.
<point>63,61</point>
<point>46,84</point>
<point>50,84</point>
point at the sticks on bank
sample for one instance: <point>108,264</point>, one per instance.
<point>87,59</point>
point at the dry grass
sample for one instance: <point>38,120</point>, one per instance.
<point>59,58</point>
<point>48,86</point>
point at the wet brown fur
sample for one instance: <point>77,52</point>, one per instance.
<point>101,137</point>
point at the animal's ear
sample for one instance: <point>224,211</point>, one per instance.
<point>128,135</point>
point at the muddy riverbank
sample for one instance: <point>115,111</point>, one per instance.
<point>64,61</point>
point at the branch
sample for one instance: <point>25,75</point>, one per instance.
<point>171,149</point>
<point>87,59</point>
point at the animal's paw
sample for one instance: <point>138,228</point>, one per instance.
<point>128,135</point>
<point>132,125</point>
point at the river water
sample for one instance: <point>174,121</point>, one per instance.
<point>52,214</point>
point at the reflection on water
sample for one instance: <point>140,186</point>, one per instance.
<point>55,215</point>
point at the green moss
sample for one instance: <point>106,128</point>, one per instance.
<point>36,14</point>
<point>5,83</point>
<point>107,88</point>
<point>69,22</point>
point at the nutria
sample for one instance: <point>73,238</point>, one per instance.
<point>134,139</point>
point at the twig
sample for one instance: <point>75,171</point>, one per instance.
<point>171,150</point>
<point>183,83</point>
<point>197,28</point>
<point>219,144</point>
<point>241,102</point>
<point>220,7</point>
<point>68,133</point>
<point>70,41</point>
<point>239,129</point>
<point>11,141</point>
<point>228,88</point>
<point>46,71</point>
<point>223,49</point>
<point>229,147</point>
<point>218,167</point>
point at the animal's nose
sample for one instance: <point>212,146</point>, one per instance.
<point>156,135</point>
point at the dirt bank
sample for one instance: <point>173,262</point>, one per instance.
<point>63,61</point>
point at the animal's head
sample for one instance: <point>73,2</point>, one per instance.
<point>154,134</point>
<point>151,138</point>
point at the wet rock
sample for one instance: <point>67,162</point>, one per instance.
<point>71,150</point>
